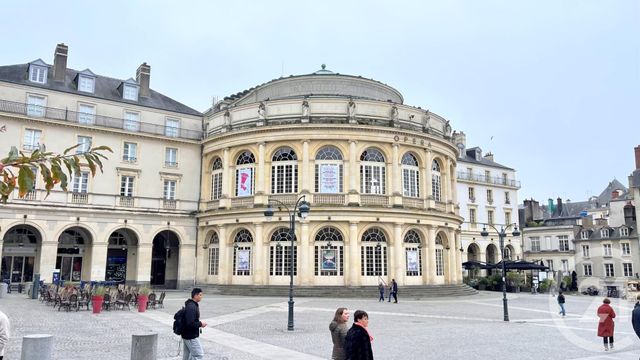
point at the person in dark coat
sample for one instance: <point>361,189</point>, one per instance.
<point>381,289</point>
<point>339,329</point>
<point>635,317</point>
<point>393,291</point>
<point>357,344</point>
<point>606,325</point>
<point>561,303</point>
<point>191,327</point>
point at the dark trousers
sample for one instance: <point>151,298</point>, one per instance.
<point>395,296</point>
<point>381,299</point>
<point>605,338</point>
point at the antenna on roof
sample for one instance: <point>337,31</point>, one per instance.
<point>282,70</point>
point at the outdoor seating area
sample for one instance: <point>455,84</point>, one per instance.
<point>79,296</point>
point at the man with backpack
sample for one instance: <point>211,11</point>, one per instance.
<point>189,327</point>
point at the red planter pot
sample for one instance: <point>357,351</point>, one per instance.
<point>142,302</point>
<point>96,302</point>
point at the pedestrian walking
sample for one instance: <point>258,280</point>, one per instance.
<point>381,289</point>
<point>192,327</point>
<point>4,333</point>
<point>605,325</point>
<point>635,317</point>
<point>393,291</point>
<point>339,329</point>
<point>561,303</point>
<point>357,344</point>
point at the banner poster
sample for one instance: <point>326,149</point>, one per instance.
<point>245,185</point>
<point>243,260</point>
<point>412,260</point>
<point>329,178</point>
<point>329,259</point>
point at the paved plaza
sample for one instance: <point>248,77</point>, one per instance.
<point>255,328</point>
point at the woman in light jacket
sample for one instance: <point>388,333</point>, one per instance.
<point>339,328</point>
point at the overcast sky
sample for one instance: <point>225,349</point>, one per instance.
<point>552,88</point>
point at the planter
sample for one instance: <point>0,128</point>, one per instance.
<point>482,287</point>
<point>142,302</point>
<point>96,302</point>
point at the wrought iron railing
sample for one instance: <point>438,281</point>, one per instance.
<point>463,175</point>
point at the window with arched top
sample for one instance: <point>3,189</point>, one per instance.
<point>245,173</point>
<point>373,253</point>
<point>242,253</point>
<point>216,179</point>
<point>413,253</point>
<point>436,185</point>
<point>280,251</point>
<point>328,166</point>
<point>439,256</point>
<point>372,172</point>
<point>284,171</point>
<point>329,252</point>
<point>214,253</point>
<point>410,176</point>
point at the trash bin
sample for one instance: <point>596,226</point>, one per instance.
<point>3,289</point>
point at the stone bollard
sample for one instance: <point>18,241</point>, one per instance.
<point>144,346</point>
<point>37,347</point>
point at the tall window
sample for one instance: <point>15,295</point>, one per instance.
<point>216,179</point>
<point>38,74</point>
<point>627,269</point>
<point>171,157</point>
<point>86,114</point>
<point>604,233</point>
<point>608,270</point>
<point>372,172</point>
<point>472,194</point>
<point>86,83</point>
<point>490,216</point>
<point>410,176</point>
<point>563,242</point>
<point>280,252</point>
<point>245,174</point>
<point>489,196</point>
<point>626,248</point>
<point>131,121</point>
<point>624,232</point>
<point>329,170</point>
<point>586,270</point>
<point>214,254</point>
<point>242,253</point>
<point>80,182</point>
<point>565,265</point>
<point>373,253</point>
<point>606,249</point>
<point>35,105</point>
<point>507,217</point>
<point>550,264</point>
<point>170,189</point>
<point>126,185</point>
<point>439,256</point>
<point>535,243</point>
<point>472,217</point>
<point>171,127</point>
<point>413,253</point>
<point>585,251</point>
<point>329,254</point>
<point>130,152</point>
<point>584,234</point>
<point>435,181</point>
<point>31,139</point>
<point>284,171</point>
<point>84,144</point>
<point>130,92</point>
<point>507,197</point>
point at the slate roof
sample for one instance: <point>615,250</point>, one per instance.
<point>635,179</point>
<point>105,88</point>
<point>469,157</point>
<point>605,195</point>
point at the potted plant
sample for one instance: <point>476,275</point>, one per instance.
<point>143,298</point>
<point>515,281</point>
<point>482,283</point>
<point>97,298</point>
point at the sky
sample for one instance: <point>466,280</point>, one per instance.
<point>550,87</point>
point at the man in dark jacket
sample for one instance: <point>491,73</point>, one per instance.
<point>393,290</point>
<point>635,317</point>
<point>191,327</point>
<point>357,344</point>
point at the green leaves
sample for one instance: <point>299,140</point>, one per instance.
<point>51,168</point>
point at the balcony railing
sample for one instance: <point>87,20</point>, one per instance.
<point>126,201</point>
<point>94,120</point>
<point>329,199</point>
<point>169,204</point>
<point>412,202</point>
<point>463,175</point>
<point>242,201</point>
<point>171,164</point>
<point>79,198</point>
<point>374,200</point>
<point>289,199</point>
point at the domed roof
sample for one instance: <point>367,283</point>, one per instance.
<point>323,71</point>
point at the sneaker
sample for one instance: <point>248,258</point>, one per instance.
<point>611,347</point>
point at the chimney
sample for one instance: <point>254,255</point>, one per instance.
<point>60,62</point>
<point>637,149</point>
<point>601,222</point>
<point>489,156</point>
<point>143,77</point>
<point>559,207</point>
<point>614,194</point>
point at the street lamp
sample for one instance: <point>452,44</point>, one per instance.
<point>301,208</point>
<point>502,234</point>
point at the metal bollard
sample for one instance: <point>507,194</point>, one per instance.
<point>37,347</point>
<point>144,346</point>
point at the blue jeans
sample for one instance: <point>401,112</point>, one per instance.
<point>562,309</point>
<point>192,349</point>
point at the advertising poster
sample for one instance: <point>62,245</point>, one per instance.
<point>245,185</point>
<point>243,260</point>
<point>329,178</point>
<point>412,260</point>
<point>328,259</point>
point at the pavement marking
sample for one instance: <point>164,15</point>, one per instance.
<point>591,329</point>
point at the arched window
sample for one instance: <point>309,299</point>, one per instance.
<point>329,170</point>
<point>373,253</point>
<point>70,253</point>
<point>214,254</point>
<point>410,176</point>
<point>245,174</point>
<point>439,256</point>
<point>216,179</point>
<point>507,253</point>
<point>329,252</point>
<point>284,171</point>
<point>242,253</point>
<point>413,253</point>
<point>280,254</point>
<point>372,172</point>
<point>436,190</point>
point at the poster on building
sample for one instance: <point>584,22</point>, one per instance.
<point>245,182</point>
<point>329,259</point>
<point>329,178</point>
<point>242,263</point>
<point>412,260</point>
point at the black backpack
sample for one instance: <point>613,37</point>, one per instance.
<point>178,321</point>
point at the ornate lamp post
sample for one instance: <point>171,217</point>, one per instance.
<point>502,234</point>
<point>301,208</point>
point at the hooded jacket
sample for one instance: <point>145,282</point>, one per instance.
<point>635,319</point>
<point>338,334</point>
<point>192,324</point>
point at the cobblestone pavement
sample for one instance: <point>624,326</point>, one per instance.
<point>255,328</point>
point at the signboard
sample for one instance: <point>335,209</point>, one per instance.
<point>412,260</point>
<point>329,259</point>
<point>329,178</point>
<point>243,261</point>
<point>56,277</point>
<point>245,182</point>
<point>116,269</point>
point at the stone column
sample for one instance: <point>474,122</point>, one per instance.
<point>305,174</point>
<point>186,255</point>
<point>454,181</point>
<point>396,178</point>
<point>225,262</point>
<point>144,346</point>
<point>227,184</point>
<point>305,265</point>
<point>398,253</point>
<point>143,270</point>
<point>48,255</point>
<point>37,347</point>
<point>458,263</point>
<point>427,180</point>
<point>354,193</point>
<point>354,259</point>
<point>431,253</point>
<point>259,268</point>
<point>98,260</point>
<point>260,186</point>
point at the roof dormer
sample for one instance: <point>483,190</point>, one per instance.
<point>86,81</point>
<point>38,70</point>
<point>129,89</point>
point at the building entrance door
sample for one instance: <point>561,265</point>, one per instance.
<point>17,269</point>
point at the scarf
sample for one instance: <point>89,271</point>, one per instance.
<point>365,329</point>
